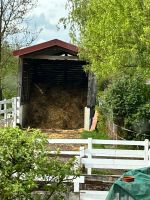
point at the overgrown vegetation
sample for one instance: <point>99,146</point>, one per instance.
<point>127,104</point>
<point>25,167</point>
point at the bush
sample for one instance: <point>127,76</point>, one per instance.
<point>140,122</point>
<point>128,102</point>
<point>23,159</point>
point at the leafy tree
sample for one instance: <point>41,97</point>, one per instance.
<point>14,30</point>
<point>24,163</point>
<point>112,34</point>
<point>9,73</point>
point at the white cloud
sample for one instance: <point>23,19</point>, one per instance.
<point>46,16</point>
<point>48,34</point>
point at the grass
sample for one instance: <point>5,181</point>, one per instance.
<point>94,135</point>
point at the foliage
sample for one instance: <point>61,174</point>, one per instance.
<point>127,102</point>
<point>140,122</point>
<point>101,124</point>
<point>95,135</point>
<point>13,21</point>
<point>9,73</point>
<point>14,33</point>
<point>23,159</point>
<point>113,34</point>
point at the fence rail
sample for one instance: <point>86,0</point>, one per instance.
<point>107,158</point>
<point>9,112</point>
<point>101,158</point>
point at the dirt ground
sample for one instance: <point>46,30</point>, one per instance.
<point>62,134</point>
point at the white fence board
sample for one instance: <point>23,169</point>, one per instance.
<point>67,141</point>
<point>97,141</point>
<point>116,153</point>
<point>8,101</point>
<point>113,163</point>
<point>108,158</point>
<point>6,111</point>
<point>119,142</point>
<point>93,195</point>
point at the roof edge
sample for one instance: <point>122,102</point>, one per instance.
<point>44,45</point>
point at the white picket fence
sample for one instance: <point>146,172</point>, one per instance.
<point>105,158</point>
<point>108,158</point>
<point>9,112</point>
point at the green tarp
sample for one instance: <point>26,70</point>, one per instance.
<point>139,189</point>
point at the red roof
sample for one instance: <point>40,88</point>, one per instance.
<point>70,47</point>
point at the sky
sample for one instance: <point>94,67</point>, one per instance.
<point>46,16</point>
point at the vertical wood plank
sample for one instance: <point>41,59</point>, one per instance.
<point>89,170</point>
<point>5,113</point>
<point>14,112</point>
<point>146,149</point>
<point>18,110</point>
<point>86,118</point>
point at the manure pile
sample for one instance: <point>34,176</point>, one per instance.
<point>56,108</point>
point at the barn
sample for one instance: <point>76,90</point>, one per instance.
<point>55,91</point>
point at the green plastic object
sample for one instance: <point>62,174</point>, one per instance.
<point>139,189</point>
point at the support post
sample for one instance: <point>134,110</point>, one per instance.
<point>5,113</point>
<point>14,112</point>
<point>87,119</point>
<point>18,110</point>
<point>89,170</point>
<point>146,151</point>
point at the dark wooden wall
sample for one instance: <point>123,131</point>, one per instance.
<point>68,74</point>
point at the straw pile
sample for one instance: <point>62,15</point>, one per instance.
<point>56,108</point>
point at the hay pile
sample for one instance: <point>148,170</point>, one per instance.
<point>56,108</point>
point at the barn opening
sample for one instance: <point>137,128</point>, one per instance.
<point>57,94</point>
<point>53,87</point>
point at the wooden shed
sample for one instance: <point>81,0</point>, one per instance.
<point>53,86</point>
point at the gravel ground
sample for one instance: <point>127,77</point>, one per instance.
<point>68,134</point>
<point>63,134</point>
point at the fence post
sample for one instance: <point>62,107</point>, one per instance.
<point>18,110</point>
<point>146,150</point>
<point>89,170</point>
<point>14,112</point>
<point>5,113</point>
<point>87,119</point>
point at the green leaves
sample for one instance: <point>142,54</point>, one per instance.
<point>23,159</point>
<point>113,34</point>
<point>128,100</point>
<point>18,161</point>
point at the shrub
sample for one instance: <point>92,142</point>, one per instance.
<point>128,102</point>
<point>140,122</point>
<point>23,159</point>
